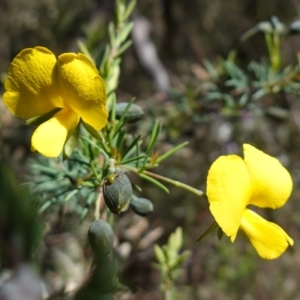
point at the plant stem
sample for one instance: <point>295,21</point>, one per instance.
<point>171,181</point>
<point>97,206</point>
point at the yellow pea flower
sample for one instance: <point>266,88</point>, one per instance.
<point>37,83</point>
<point>234,183</point>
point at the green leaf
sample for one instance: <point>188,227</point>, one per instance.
<point>112,108</point>
<point>133,114</point>
<point>92,131</point>
<point>120,138</point>
<point>82,48</point>
<point>124,33</point>
<point>220,233</point>
<point>171,152</point>
<point>124,47</point>
<point>156,129</point>
<point>36,121</point>
<point>180,260</point>
<point>177,239</point>
<point>83,215</point>
<point>129,160</point>
<point>71,143</point>
<point>123,116</point>
<point>138,152</point>
<point>70,195</point>
<point>208,231</point>
<point>129,8</point>
<point>102,66</point>
<point>128,151</point>
<point>159,254</point>
<point>120,11</point>
<point>46,205</point>
<point>154,181</point>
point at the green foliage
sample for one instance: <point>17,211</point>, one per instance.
<point>77,179</point>
<point>170,263</point>
<point>232,86</point>
<point>20,227</point>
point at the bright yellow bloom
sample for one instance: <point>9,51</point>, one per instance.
<point>234,183</point>
<point>37,83</point>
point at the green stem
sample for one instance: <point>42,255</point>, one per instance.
<point>97,206</point>
<point>171,181</point>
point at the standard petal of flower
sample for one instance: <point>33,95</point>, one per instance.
<point>269,240</point>
<point>272,183</point>
<point>50,137</point>
<point>31,88</point>
<point>84,89</point>
<point>228,191</point>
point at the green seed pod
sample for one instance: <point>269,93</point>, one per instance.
<point>101,237</point>
<point>133,114</point>
<point>117,191</point>
<point>142,206</point>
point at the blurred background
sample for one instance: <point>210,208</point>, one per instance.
<point>175,69</point>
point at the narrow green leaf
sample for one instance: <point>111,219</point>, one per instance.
<point>133,114</point>
<point>154,181</point>
<point>159,254</point>
<point>102,68</point>
<point>92,131</point>
<point>120,11</point>
<point>177,242</point>
<point>127,151</point>
<point>103,148</point>
<point>156,129</point>
<point>46,205</point>
<point>83,215</point>
<point>36,121</point>
<point>127,161</point>
<point>46,170</point>
<point>207,232</point>
<point>82,48</point>
<point>171,152</point>
<point>71,143</point>
<point>138,151</point>
<point>121,121</point>
<point>220,233</point>
<point>129,9</point>
<point>120,138</point>
<point>124,47</point>
<point>124,33</point>
<point>70,195</point>
<point>181,259</point>
<point>112,107</point>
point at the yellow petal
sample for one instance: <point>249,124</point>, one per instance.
<point>83,89</point>
<point>228,192</point>
<point>50,137</point>
<point>269,240</point>
<point>271,182</point>
<point>31,87</point>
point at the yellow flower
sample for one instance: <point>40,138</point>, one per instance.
<point>37,83</point>
<point>234,183</point>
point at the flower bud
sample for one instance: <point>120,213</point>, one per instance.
<point>101,237</point>
<point>141,206</point>
<point>117,191</point>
